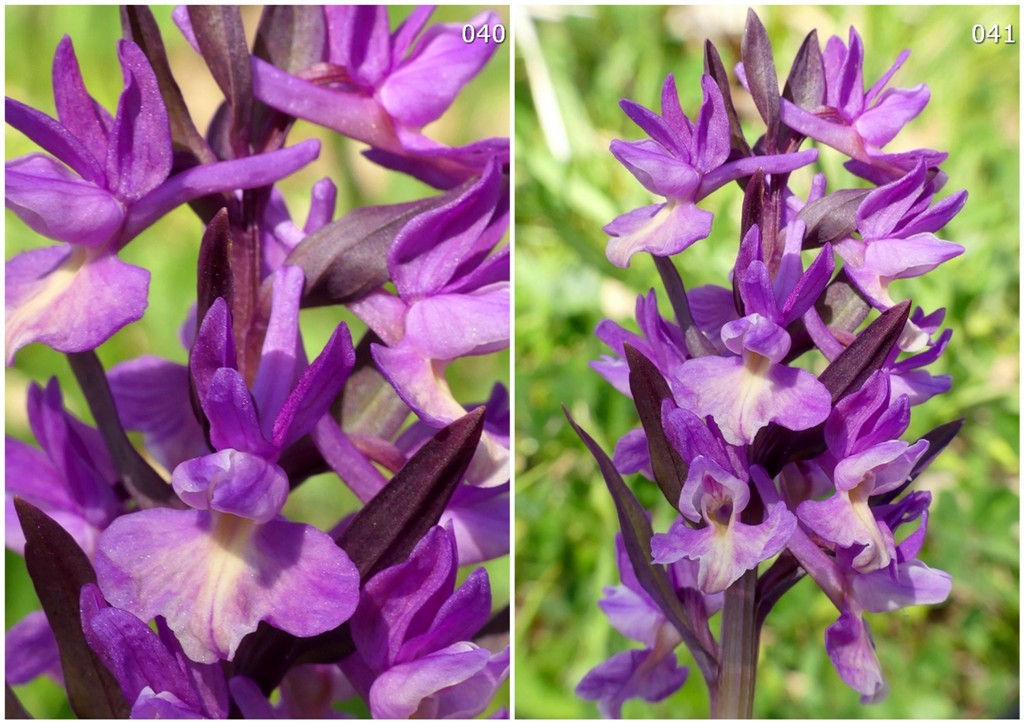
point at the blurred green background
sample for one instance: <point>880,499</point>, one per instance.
<point>168,249</point>
<point>960,659</point>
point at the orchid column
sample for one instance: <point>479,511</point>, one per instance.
<point>771,407</point>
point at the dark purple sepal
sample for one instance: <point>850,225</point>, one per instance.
<point>759,64</point>
<point>739,148</point>
<point>805,85</point>
<point>832,218</point>
<point>291,37</point>
<point>649,390</point>
<point>59,569</point>
<point>221,38</point>
<point>842,309</point>
<point>213,278</point>
<point>347,258</point>
<point>775,446</point>
<point>636,536</point>
<point>139,25</point>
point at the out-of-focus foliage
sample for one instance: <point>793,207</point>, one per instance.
<point>169,248</point>
<point>960,659</point>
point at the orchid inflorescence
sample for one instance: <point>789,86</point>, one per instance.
<point>171,583</point>
<point>775,473</point>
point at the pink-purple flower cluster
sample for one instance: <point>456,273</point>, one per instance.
<point>776,471</point>
<point>172,585</point>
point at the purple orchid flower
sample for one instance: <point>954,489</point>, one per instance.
<point>382,88</point>
<point>650,673</point>
<point>250,563</point>
<point>307,692</point>
<point>743,393</point>
<point>861,122</point>
<point>897,241</point>
<point>412,632</point>
<point>683,161</point>
<point>109,178</point>
<point>71,479</point>
<point>453,301</point>
<point>868,460</point>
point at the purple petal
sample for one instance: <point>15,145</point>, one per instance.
<point>711,132</point>
<point>657,170</point>
<point>459,618</point>
<point>152,397</point>
<point>849,523</point>
<point>214,576</point>
<point>214,347</point>
<point>428,251</point>
<point>30,650</point>
<point>422,87</point>
<point>642,674</point>
<point>69,300</point>
<point>400,602</point>
<point>358,39</point>
<point>162,705</point>
<point>232,482</point>
<point>354,115</point>
<point>662,230</point>
<point>252,702</point>
<point>480,519</point>
<point>852,651</point>
<point>883,208</point>
<point>30,475</point>
<point>139,153</point>
<point>894,109</point>
<point>449,326</point>
<point>132,652</point>
<point>282,348</point>
<point>632,615</point>
<point>632,454</point>
<point>56,139</point>
<point>232,415</point>
<point>455,683</point>
<point>243,173</point>
<point>743,400</point>
<point>910,584</point>
<point>316,389</point>
<point>725,554</point>
<point>59,205</point>
<point>77,111</point>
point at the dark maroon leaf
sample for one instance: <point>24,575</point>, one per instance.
<point>775,446</point>
<point>347,258</point>
<point>290,36</point>
<point>140,26</point>
<point>636,535</point>
<point>214,271</point>
<point>12,707</point>
<point>385,531</point>
<point>805,85</point>
<point>58,569</point>
<point>713,66</point>
<point>139,478</point>
<point>832,217</point>
<point>756,51</point>
<point>866,354</point>
<point>649,389</point>
<point>221,38</point>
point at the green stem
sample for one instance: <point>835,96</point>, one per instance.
<point>738,674</point>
